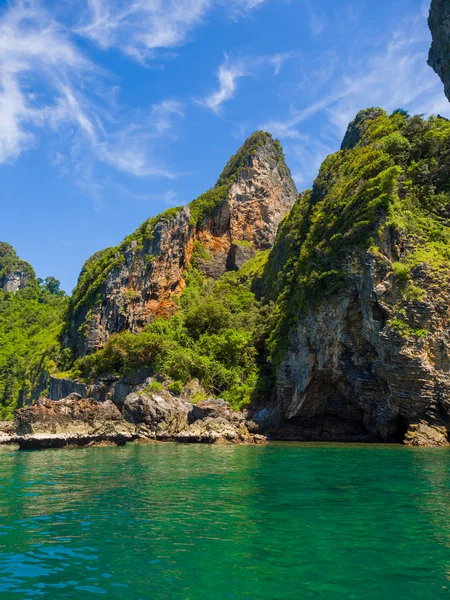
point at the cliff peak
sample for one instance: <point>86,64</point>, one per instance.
<point>15,273</point>
<point>125,287</point>
<point>358,126</point>
<point>259,143</point>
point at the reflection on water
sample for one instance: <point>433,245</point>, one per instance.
<point>188,522</point>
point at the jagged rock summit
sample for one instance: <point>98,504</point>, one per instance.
<point>122,288</point>
<point>439,55</point>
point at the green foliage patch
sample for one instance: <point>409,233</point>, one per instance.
<point>30,326</point>
<point>217,336</point>
<point>396,177</point>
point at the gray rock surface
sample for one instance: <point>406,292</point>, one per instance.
<point>76,421</point>
<point>439,55</point>
<point>349,375</point>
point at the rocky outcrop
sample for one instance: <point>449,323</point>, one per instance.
<point>123,288</point>
<point>166,418</point>
<point>109,387</point>
<point>357,128</point>
<point>364,347</point>
<point>15,274</point>
<point>145,416</point>
<point>161,416</point>
<point>349,375</point>
<point>73,421</point>
<point>439,55</point>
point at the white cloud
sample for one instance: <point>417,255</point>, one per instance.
<point>396,76</point>
<point>68,99</point>
<point>242,7</point>
<point>228,74</point>
<point>278,60</point>
<point>169,198</point>
<point>49,86</point>
<point>317,21</point>
<point>162,114</point>
<point>141,27</point>
<point>31,46</point>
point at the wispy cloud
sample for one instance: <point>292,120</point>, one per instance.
<point>49,86</point>
<point>162,115</point>
<point>395,76</point>
<point>228,74</point>
<point>243,7</point>
<point>278,60</point>
<point>317,21</point>
<point>230,71</point>
<point>169,198</point>
<point>142,27</point>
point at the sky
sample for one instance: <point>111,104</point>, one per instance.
<point>112,111</point>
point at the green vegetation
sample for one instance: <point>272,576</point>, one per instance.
<point>217,337</point>
<point>405,330</point>
<point>154,387</point>
<point>10,262</point>
<point>396,178</point>
<point>242,243</point>
<point>30,325</point>
<point>207,203</point>
<point>200,254</point>
<point>239,161</point>
<point>95,271</point>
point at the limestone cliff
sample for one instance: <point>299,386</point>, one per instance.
<point>361,280</point>
<point>123,288</point>
<point>15,274</point>
<point>439,56</point>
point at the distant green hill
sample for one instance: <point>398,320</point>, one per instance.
<point>31,316</point>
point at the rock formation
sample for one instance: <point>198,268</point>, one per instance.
<point>439,55</point>
<point>72,421</point>
<point>123,288</point>
<point>145,416</point>
<point>15,274</point>
<point>363,342</point>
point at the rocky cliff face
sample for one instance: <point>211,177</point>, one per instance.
<point>123,288</point>
<point>15,274</point>
<point>362,342</point>
<point>145,415</point>
<point>439,56</point>
<point>351,373</point>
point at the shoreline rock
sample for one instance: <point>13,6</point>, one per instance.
<point>144,416</point>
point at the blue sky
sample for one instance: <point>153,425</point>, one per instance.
<point>111,110</point>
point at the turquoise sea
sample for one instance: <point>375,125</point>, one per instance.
<point>195,522</point>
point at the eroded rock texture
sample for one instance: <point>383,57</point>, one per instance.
<point>145,415</point>
<point>364,339</point>
<point>439,55</point>
<point>73,421</point>
<point>123,288</point>
<point>15,274</point>
<point>349,376</point>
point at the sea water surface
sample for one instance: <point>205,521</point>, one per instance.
<point>192,522</point>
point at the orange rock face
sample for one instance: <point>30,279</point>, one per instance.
<point>144,277</point>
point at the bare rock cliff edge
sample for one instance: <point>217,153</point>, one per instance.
<point>123,288</point>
